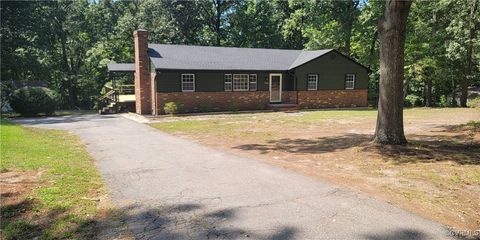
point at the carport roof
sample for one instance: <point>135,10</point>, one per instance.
<point>121,67</point>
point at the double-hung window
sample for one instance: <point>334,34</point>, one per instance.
<point>350,81</point>
<point>188,82</point>
<point>253,82</point>
<point>228,82</point>
<point>240,82</point>
<point>312,81</point>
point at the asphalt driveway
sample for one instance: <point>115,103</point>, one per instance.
<point>172,188</point>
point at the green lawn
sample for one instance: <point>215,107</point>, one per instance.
<point>64,199</point>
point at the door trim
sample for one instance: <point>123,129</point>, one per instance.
<point>270,86</point>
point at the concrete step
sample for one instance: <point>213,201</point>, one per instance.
<point>110,108</point>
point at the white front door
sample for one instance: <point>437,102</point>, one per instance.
<point>275,87</point>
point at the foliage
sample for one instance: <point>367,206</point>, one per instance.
<point>69,43</point>
<point>170,108</point>
<point>30,101</point>
<point>443,101</point>
<point>413,101</point>
<point>474,102</point>
<point>68,177</point>
<point>5,94</point>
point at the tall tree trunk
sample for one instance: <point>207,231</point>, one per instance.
<point>348,19</point>
<point>348,37</point>
<point>392,30</point>
<point>428,92</point>
<point>468,70</point>
<point>218,15</point>
<point>405,88</point>
<point>454,93</point>
<point>372,47</point>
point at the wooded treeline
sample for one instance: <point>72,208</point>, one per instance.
<point>69,43</point>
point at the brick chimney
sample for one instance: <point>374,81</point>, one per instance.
<point>143,91</point>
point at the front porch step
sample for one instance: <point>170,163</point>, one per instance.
<point>117,107</point>
<point>109,109</point>
<point>285,107</point>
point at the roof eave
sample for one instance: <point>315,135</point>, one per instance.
<point>203,69</point>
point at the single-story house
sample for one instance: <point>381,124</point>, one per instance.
<point>203,78</point>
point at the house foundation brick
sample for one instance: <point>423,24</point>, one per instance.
<point>258,100</point>
<point>333,98</point>
<point>214,101</point>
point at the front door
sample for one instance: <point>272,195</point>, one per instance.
<point>275,87</point>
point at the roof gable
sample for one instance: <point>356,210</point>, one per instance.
<point>307,56</point>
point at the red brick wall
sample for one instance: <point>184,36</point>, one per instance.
<point>332,98</point>
<point>289,96</point>
<point>214,101</point>
<point>143,94</point>
<point>224,101</point>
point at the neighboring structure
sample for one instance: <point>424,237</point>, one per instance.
<point>224,78</point>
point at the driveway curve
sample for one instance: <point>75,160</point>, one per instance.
<point>171,188</point>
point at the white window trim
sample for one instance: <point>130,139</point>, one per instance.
<point>308,82</point>
<point>346,76</point>
<point>181,79</point>
<point>230,83</point>
<point>248,82</point>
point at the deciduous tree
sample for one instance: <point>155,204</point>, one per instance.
<point>392,29</point>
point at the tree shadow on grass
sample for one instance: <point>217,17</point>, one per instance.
<point>179,221</point>
<point>421,148</point>
<point>317,145</point>
<point>428,149</point>
<point>18,220</point>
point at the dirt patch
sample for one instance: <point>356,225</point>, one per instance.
<point>19,214</point>
<point>437,175</point>
<point>15,185</point>
<point>16,205</point>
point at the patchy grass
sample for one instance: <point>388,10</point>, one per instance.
<point>50,185</point>
<point>436,175</point>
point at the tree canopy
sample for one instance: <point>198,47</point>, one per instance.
<point>69,43</point>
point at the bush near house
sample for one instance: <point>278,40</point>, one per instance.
<point>170,108</point>
<point>31,101</point>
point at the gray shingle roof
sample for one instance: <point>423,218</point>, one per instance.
<point>121,67</point>
<point>228,58</point>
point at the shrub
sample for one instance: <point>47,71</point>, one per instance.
<point>474,102</point>
<point>30,101</point>
<point>170,108</point>
<point>443,101</point>
<point>413,101</point>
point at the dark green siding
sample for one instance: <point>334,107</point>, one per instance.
<point>212,81</point>
<point>331,70</point>
<point>331,73</point>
